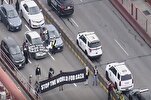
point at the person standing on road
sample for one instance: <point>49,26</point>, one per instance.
<point>2,1</point>
<point>61,86</point>
<point>87,75</point>
<point>25,51</point>
<point>17,6</point>
<point>53,45</point>
<point>95,77</point>
<point>38,73</point>
<point>51,72</point>
<point>110,88</point>
<point>30,81</point>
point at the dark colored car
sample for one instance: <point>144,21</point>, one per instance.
<point>13,51</point>
<point>53,34</point>
<point>63,7</point>
<point>10,17</point>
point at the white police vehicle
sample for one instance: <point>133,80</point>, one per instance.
<point>30,11</point>
<point>120,76</point>
<point>90,44</point>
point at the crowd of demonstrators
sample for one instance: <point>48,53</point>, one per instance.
<point>95,77</point>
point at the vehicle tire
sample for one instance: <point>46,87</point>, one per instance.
<point>86,52</point>
<point>30,23</point>
<point>116,86</point>
<point>107,76</point>
<point>21,14</point>
<point>0,18</point>
<point>8,27</point>
<point>77,42</point>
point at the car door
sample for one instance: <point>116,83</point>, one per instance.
<point>4,15</point>
<point>5,48</point>
<point>112,74</point>
<point>25,11</point>
<point>82,42</point>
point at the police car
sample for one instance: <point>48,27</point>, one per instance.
<point>30,11</point>
<point>90,44</point>
<point>36,47</point>
<point>120,76</point>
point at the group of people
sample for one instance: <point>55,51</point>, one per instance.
<point>95,77</point>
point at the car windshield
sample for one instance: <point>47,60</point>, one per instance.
<point>12,14</point>
<point>15,50</point>
<point>94,44</point>
<point>34,10</point>
<point>126,77</point>
<point>53,33</point>
<point>36,41</point>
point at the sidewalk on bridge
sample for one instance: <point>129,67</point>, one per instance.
<point>144,7</point>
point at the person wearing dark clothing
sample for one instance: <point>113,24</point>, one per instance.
<point>110,88</point>
<point>38,72</point>
<point>17,6</point>
<point>25,51</point>
<point>51,72</point>
<point>10,1</point>
<point>37,87</point>
<point>86,74</point>
<point>61,86</point>
<point>2,1</point>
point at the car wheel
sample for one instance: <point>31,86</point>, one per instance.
<point>116,86</point>
<point>107,76</point>
<point>30,23</point>
<point>21,14</point>
<point>0,18</point>
<point>8,27</point>
<point>77,42</point>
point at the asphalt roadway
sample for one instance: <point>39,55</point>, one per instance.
<point>120,42</point>
<point>65,61</point>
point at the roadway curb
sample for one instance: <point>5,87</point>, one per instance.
<point>132,21</point>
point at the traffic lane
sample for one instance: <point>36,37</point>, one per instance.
<point>119,33</point>
<point>65,61</point>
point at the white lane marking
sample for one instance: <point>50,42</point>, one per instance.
<point>6,1</point>
<point>74,22</point>
<point>27,27</point>
<point>120,46</point>
<point>29,61</point>
<point>51,56</point>
<point>75,84</point>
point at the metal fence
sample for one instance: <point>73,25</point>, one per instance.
<point>133,9</point>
